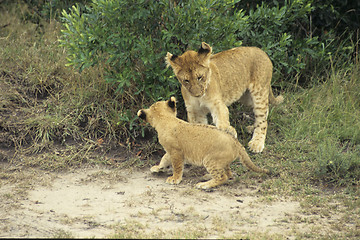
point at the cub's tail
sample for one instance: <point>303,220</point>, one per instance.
<point>245,159</point>
<point>275,100</point>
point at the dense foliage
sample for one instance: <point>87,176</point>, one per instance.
<point>132,37</point>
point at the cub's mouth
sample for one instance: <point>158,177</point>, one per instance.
<point>198,93</point>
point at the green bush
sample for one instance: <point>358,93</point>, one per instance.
<point>132,37</point>
<point>299,35</point>
<point>276,30</point>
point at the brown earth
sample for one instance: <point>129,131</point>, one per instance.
<point>102,202</point>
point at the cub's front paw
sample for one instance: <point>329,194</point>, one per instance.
<point>156,169</point>
<point>172,180</point>
<point>256,146</point>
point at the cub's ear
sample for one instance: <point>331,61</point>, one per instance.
<point>205,49</point>
<point>141,114</point>
<point>169,59</point>
<point>172,103</point>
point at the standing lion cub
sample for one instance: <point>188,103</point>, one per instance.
<point>198,144</point>
<point>210,83</point>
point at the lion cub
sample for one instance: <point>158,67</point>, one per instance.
<point>210,83</point>
<point>198,144</point>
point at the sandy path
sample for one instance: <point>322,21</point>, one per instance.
<point>98,202</point>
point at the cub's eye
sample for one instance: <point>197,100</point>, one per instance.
<point>200,78</point>
<point>186,81</point>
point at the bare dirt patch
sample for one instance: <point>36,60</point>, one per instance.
<point>100,202</point>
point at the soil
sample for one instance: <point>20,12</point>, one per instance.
<point>101,202</point>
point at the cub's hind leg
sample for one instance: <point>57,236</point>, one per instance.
<point>228,172</point>
<point>219,176</point>
<point>260,99</point>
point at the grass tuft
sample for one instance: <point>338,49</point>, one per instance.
<point>322,124</point>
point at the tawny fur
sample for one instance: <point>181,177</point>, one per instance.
<point>198,144</point>
<point>210,83</point>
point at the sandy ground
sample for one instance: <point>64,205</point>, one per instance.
<point>100,202</point>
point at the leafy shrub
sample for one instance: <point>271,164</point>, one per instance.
<point>132,37</point>
<point>272,29</point>
<point>326,15</point>
<point>320,30</point>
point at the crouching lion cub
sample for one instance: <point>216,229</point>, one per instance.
<point>210,83</point>
<point>197,144</point>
